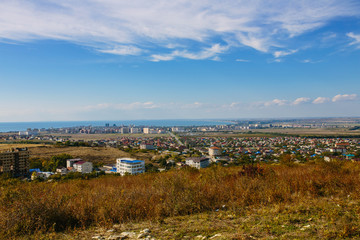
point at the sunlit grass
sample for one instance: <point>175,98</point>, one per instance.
<point>27,208</point>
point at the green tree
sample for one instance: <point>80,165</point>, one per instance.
<point>56,161</point>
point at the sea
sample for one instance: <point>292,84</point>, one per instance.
<point>23,126</point>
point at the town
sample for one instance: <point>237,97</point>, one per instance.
<point>167,148</point>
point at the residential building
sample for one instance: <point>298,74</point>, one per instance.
<point>147,147</point>
<point>15,162</point>
<point>146,130</point>
<point>83,167</point>
<point>214,151</point>
<point>198,162</point>
<point>130,166</point>
<point>125,130</point>
<point>70,162</point>
<point>135,130</point>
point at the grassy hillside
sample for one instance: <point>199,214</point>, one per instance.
<point>264,201</point>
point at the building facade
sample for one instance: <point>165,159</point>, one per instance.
<point>130,166</point>
<point>198,162</point>
<point>214,151</point>
<point>147,147</point>
<point>83,167</point>
<point>71,162</point>
<point>15,162</point>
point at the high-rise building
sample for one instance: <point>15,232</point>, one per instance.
<point>15,162</point>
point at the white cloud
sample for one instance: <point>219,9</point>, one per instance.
<point>122,50</point>
<point>356,39</point>
<point>301,100</point>
<point>207,53</point>
<point>150,25</point>
<point>344,97</point>
<point>242,60</point>
<point>320,100</point>
<point>277,102</point>
<point>278,54</point>
<point>310,61</point>
<point>122,106</point>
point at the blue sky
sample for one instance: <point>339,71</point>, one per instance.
<point>121,60</point>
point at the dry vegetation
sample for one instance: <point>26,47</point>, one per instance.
<point>99,154</point>
<point>92,154</point>
<point>270,201</point>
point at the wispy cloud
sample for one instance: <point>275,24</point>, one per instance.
<point>242,60</point>
<point>122,106</point>
<point>143,27</point>
<point>344,97</point>
<point>278,54</point>
<point>207,53</point>
<point>356,39</point>
<point>122,50</point>
<point>310,61</point>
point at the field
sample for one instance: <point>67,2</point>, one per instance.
<point>92,154</point>
<point>314,200</point>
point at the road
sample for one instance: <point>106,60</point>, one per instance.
<point>176,138</point>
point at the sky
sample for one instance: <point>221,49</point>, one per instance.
<point>205,59</point>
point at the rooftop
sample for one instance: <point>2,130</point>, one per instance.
<point>131,161</point>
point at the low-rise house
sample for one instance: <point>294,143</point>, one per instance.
<point>129,166</point>
<point>147,147</point>
<point>43,175</point>
<point>198,162</point>
<point>338,150</point>
<point>62,171</point>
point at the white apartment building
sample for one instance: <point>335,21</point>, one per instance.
<point>83,167</point>
<point>130,166</point>
<point>135,130</point>
<point>198,162</point>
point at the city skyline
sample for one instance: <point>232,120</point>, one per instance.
<point>111,60</point>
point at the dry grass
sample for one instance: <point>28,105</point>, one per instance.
<point>27,208</point>
<point>93,154</point>
<point>100,154</point>
<point>4,147</point>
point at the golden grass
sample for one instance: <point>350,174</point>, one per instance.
<point>27,208</point>
<point>5,147</point>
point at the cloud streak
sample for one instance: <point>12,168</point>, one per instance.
<point>141,27</point>
<point>355,38</point>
